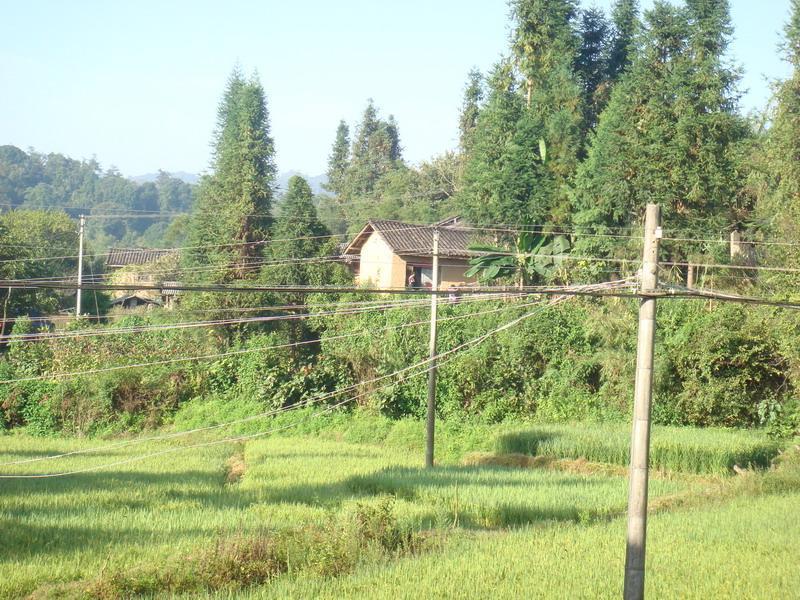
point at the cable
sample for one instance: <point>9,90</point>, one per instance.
<point>325,396</point>
<point>222,354</point>
<point>437,358</point>
<point>47,336</point>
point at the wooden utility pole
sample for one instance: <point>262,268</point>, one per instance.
<point>80,267</point>
<point>640,436</point>
<point>431,418</point>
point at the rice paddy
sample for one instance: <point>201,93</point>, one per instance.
<point>339,518</point>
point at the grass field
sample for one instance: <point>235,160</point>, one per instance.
<point>314,516</point>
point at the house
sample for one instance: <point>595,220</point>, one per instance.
<point>119,258</point>
<point>145,266</point>
<point>392,254</point>
<point>131,301</point>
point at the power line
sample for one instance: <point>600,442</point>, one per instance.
<point>422,363</point>
<point>150,328</point>
<point>229,353</point>
<point>309,289</point>
<point>467,344</point>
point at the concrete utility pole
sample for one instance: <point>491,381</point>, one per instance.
<point>640,437</point>
<point>80,267</point>
<point>431,420</point>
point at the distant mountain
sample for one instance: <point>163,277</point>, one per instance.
<point>182,175</point>
<point>316,182</point>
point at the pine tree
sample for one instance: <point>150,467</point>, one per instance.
<point>622,48</point>
<point>543,39</point>
<point>545,46</point>
<point>591,62</point>
<point>234,202</point>
<point>528,137</point>
<point>470,109</point>
<point>483,199</point>
<point>779,208</point>
<point>298,234</point>
<point>375,152</point>
<point>670,131</point>
<point>339,159</point>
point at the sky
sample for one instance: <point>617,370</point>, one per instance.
<point>137,84</point>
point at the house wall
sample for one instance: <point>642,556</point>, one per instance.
<point>379,266</point>
<point>451,270</point>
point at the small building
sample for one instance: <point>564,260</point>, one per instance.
<point>392,254</point>
<point>132,301</point>
<point>147,267</point>
<point>119,258</point>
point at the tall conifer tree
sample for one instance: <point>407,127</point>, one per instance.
<point>780,206</point>
<point>591,63</point>
<point>670,132</point>
<point>235,200</point>
<point>625,26</point>
<point>470,109</point>
<point>339,159</point>
<point>545,45</point>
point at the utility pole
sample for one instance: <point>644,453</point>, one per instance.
<point>431,420</point>
<point>643,395</point>
<point>80,267</point>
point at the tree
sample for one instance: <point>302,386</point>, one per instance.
<point>339,159</point>
<point>234,201</point>
<point>375,152</point>
<point>779,207</point>
<point>482,198</point>
<point>670,133</point>
<point>622,47</point>
<point>36,242</point>
<point>545,47</point>
<point>298,238</point>
<point>470,109</point>
<point>543,40</point>
<point>591,63</point>
<point>298,234</point>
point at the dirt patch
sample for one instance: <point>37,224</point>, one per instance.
<point>578,466</point>
<point>235,468</point>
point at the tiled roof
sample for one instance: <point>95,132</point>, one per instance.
<point>405,238</point>
<point>123,257</point>
<point>138,297</point>
<point>168,288</point>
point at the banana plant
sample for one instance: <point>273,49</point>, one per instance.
<point>534,257</point>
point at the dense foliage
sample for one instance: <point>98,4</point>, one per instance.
<point>34,181</point>
<point>586,120</point>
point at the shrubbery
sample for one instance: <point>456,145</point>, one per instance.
<point>717,365</point>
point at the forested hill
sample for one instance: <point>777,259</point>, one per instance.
<point>53,181</point>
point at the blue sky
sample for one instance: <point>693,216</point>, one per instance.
<point>136,84</point>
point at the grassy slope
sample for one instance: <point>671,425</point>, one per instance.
<point>685,449</point>
<point>744,549</point>
<point>152,514</point>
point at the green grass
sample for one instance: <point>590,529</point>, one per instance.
<point>671,448</point>
<point>326,514</point>
<point>680,449</point>
<point>65,529</point>
<point>745,549</point>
